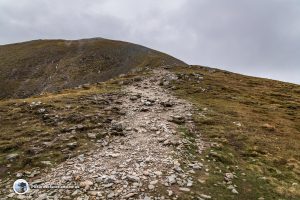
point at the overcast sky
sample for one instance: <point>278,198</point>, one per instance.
<point>254,37</point>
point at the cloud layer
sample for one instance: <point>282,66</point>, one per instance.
<point>254,37</point>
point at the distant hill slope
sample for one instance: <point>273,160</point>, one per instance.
<point>34,67</point>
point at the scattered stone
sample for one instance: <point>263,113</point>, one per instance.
<point>129,195</point>
<point>94,193</point>
<point>108,185</point>
<point>133,178</point>
<point>11,195</point>
<point>12,156</point>
<point>154,182</point>
<point>144,109</point>
<point>177,119</point>
<point>158,173</point>
<point>19,175</point>
<point>41,110</point>
<point>170,192</point>
<point>92,135</point>
<point>167,104</point>
<point>42,197</point>
<point>184,189</point>
<point>47,162</point>
<point>72,145</point>
<point>114,155</point>
<point>111,195</point>
<point>171,179</point>
<point>234,191</point>
<point>189,183</point>
<point>204,196</point>
<point>106,179</point>
<point>228,176</point>
<point>86,184</point>
<point>195,166</point>
<point>38,181</point>
<point>151,187</point>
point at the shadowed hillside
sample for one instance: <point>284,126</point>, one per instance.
<point>31,68</point>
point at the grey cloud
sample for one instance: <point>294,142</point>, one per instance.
<point>254,37</point>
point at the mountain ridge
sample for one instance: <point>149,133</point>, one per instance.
<point>30,68</point>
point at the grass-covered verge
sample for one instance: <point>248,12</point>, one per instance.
<point>253,127</point>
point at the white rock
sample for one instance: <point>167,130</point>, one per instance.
<point>158,173</point>
<point>204,196</point>
<point>189,183</point>
<point>151,187</point>
<point>234,191</point>
<point>184,189</point>
<point>154,182</point>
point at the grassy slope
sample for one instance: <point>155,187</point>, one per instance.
<point>39,66</point>
<point>263,151</point>
<point>35,137</point>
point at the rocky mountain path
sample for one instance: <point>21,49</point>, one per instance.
<point>146,160</point>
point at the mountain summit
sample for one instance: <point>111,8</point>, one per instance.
<point>39,66</point>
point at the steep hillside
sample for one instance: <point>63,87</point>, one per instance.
<point>34,67</point>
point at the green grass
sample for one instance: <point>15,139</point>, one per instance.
<point>265,147</point>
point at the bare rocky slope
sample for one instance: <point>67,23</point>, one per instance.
<point>157,129</point>
<point>35,67</point>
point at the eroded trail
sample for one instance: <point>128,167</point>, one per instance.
<point>144,162</point>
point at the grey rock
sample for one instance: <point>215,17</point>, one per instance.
<point>72,145</point>
<point>130,195</point>
<point>110,195</point>
<point>228,176</point>
<point>177,119</point>
<point>167,104</point>
<point>133,178</point>
<point>92,135</point>
<point>12,156</point>
<point>86,184</point>
<point>106,179</point>
<point>11,195</point>
<point>171,179</point>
